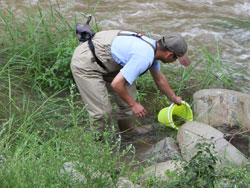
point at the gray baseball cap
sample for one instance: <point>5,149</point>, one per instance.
<point>176,43</point>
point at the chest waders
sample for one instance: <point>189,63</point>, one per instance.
<point>93,82</point>
<point>89,76</point>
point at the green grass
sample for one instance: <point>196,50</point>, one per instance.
<point>44,124</point>
<point>39,45</point>
<point>38,138</point>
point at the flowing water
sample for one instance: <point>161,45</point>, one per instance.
<point>202,23</point>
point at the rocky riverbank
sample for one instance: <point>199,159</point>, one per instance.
<point>217,112</point>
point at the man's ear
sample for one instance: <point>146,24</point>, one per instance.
<point>168,54</point>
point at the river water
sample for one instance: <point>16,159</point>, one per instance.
<point>202,23</point>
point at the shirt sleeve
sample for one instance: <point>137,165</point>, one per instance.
<point>135,67</point>
<point>155,66</point>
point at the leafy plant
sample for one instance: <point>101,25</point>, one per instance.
<point>39,137</point>
<point>199,172</point>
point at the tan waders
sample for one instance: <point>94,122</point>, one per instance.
<point>93,81</point>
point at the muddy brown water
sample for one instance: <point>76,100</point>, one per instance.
<point>202,23</point>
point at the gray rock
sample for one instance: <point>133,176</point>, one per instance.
<point>70,168</point>
<point>164,150</point>
<point>222,183</point>
<point>219,107</point>
<point>143,130</point>
<point>195,132</point>
<point>125,183</point>
<point>160,169</point>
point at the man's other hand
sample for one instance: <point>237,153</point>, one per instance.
<point>138,110</point>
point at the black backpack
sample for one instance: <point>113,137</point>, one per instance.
<point>85,33</point>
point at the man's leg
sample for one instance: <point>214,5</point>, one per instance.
<point>125,115</point>
<point>92,88</point>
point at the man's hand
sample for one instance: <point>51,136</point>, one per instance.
<point>177,100</point>
<point>119,85</point>
<point>138,110</point>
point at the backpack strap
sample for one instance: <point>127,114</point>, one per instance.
<point>138,35</point>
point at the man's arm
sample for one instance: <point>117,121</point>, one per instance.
<point>119,85</point>
<point>163,85</point>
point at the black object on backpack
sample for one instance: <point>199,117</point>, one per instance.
<point>85,33</point>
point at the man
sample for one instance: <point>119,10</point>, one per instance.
<point>124,56</point>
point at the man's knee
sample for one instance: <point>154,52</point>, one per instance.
<point>101,114</point>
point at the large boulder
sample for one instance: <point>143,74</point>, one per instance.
<point>219,107</point>
<point>195,132</point>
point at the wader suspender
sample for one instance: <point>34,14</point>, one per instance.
<point>92,48</point>
<point>138,35</point>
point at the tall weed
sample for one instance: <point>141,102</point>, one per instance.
<point>39,46</point>
<point>39,138</point>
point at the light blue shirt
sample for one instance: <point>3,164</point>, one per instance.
<point>134,54</point>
